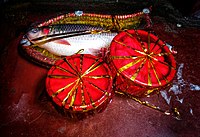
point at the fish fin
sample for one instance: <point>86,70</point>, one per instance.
<point>46,31</point>
<point>99,52</point>
<point>62,41</point>
<point>94,51</point>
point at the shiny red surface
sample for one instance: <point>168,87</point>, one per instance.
<point>143,60</point>
<point>80,83</point>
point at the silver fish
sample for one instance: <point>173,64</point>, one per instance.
<point>69,39</point>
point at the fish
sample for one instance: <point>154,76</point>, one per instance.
<point>69,39</point>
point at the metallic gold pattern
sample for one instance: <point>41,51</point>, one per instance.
<point>60,76</point>
<point>149,76</point>
<point>62,89</point>
<point>144,59</point>
<point>155,72</point>
<point>133,77</point>
<point>121,43</point>
<point>129,65</point>
<point>78,88</point>
<point>119,22</point>
<point>97,77</point>
<point>63,69</point>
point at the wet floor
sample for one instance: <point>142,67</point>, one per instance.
<point>25,109</point>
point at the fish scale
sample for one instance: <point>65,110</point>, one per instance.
<point>58,29</point>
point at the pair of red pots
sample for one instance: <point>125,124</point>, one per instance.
<point>138,62</point>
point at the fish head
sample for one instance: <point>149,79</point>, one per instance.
<point>35,33</point>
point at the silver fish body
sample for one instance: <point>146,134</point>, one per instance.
<point>88,44</point>
<point>86,38</point>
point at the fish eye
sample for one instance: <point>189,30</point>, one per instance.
<point>34,30</point>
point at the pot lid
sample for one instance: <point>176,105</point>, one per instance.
<point>80,82</point>
<point>143,58</point>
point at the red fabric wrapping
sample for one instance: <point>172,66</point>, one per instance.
<point>141,61</point>
<point>80,83</point>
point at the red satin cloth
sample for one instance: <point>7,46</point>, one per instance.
<point>142,61</point>
<point>80,83</point>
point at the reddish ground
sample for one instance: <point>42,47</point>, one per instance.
<point>25,109</point>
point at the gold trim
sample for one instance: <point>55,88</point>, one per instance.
<point>62,89</point>
<point>141,43</point>
<point>164,63</point>
<point>70,65</point>
<point>97,87</point>
<point>96,67</point>
<point>133,77</point>
<point>161,46</point>
<point>154,70</point>
<point>65,70</point>
<point>91,100</point>
<point>149,77</point>
<point>60,76</point>
<point>156,43</point>
<point>174,111</point>
<point>70,93</point>
<point>100,76</point>
<point>124,57</point>
<point>81,63</point>
<point>129,65</point>
<point>90,69</point>
<point>138,51</point>
<point>82,94</point>
<point>80,51</point>
<point>73,97</point>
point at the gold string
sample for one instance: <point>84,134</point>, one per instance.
<point>174,112</point>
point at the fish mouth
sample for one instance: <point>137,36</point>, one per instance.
<point>25,41</point>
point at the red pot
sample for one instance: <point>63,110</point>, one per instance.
<point>80,83</point>
<point>141,62</point>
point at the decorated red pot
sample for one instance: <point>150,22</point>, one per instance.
<point>80,83</point>
<point>141,62</point>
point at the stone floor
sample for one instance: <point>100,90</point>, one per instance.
<point>25,109</point>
